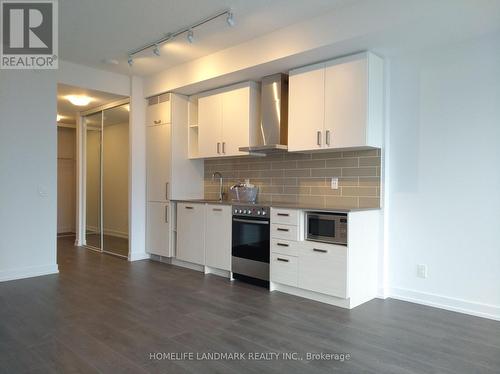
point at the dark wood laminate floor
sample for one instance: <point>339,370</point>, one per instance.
<point>105,315</point>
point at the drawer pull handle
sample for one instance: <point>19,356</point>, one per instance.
<point>281,229</point>
<point>282,244</point>
<point>217,209</point>
<point>189,207</point>
<point>157,122</point>
<point>282,259</point>
<point>320,250</point>
<point>283,214</point>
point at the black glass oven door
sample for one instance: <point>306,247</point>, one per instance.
<point>251,239</point>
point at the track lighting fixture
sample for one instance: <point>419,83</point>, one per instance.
<point>230,19</point>
<point>188,31</point>
<point>190,36</point>
<point>156,50</point>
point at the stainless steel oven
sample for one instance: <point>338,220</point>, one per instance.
<point>326,227</point>
<point>250,244</point>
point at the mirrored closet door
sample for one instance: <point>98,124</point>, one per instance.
<point>107,180</point>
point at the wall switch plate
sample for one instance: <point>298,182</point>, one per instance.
<point>335,183</point>
<point>42,191</point>
<point>422,271</point>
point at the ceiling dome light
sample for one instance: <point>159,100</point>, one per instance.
<point>190,36</point>
<point>79,100</point>
<point>156,50</point>
<point>230,19</point>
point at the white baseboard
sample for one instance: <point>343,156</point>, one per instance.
<point>138,256</point>
<point>28,272</point>
<point>117,233</point>
<point>448,303</point>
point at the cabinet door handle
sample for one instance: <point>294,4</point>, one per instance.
<point>218,148</point>
<point>282,244</point>
<point>166,213</point>
<point>282,259</point>
<point>283,214</point>
<point>282,229</point>
<point>224,147</point>
<point>327,137</point>
<point>318,138</point>
<point>217,209</point>
<point>320,250</point>
<point>156,122</point>
<point>166,191</point>
<point>189,207</point>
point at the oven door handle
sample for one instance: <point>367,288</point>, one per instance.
<point>251,221</point>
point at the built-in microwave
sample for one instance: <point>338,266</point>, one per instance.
<point>326,227</point>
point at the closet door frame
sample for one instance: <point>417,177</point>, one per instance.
<point>81,214</point>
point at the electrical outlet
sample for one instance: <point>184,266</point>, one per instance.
<point>335,183</point>
<point>422,271</point>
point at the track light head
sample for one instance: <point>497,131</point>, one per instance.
<point>130,61</point>
<point>190,36</point>
<point>156,50</point>
<point>230,19</point>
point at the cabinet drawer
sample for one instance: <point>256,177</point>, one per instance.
<point>285,216</point>
<point>323,268</point>
<point>286,247</point>
<point>284,269</point>
<point>286,232</point>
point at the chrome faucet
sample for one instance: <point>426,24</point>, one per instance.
<point>219,175</point>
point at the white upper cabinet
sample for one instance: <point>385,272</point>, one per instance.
<point>159,110</point>
<point>209,126</point>
<point>337,104</point>
<point>218,236</point>
<point>306,113</point>
<point>227,120</point>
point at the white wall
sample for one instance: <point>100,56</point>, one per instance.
<point>444,187</point>
<point>28,161</point>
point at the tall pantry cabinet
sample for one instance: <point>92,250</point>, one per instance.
<point>167,156</point>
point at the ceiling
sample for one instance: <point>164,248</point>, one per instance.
<point>118,26</point>
<point>69,111</point>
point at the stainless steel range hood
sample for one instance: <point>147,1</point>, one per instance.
<point>273,134</point>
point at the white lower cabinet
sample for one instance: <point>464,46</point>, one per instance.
<point>284,269</point>
<point>218,236</point>
<point>191,233</point>
<point>323,268</point>
<point>158,229</point>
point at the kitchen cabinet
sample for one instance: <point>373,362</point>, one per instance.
<point>158,162</point>
<point>218,236</point>
<point>191,233</point>
<point>159,110</point>
<point>167,155</point>
<point>337,104</point>
<point>306,108</point>
<point>158,228</point>
<point>227,120</point>
<point>342,275</point>
<point>323,268</point>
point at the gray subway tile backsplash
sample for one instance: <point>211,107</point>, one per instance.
<point>304,178</point>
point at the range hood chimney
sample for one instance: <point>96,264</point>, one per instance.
<point>273,134</point>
